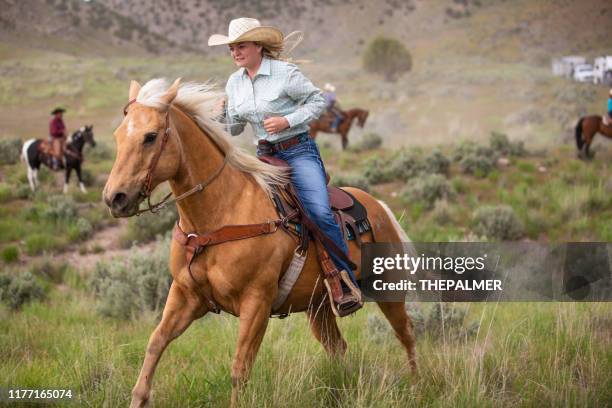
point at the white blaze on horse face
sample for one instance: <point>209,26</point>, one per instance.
<point>130,128</point>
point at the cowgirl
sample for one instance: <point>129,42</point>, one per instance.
<point>278,101</point>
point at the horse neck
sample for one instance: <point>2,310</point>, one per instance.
<point>77,144</point>
<point>201,158</point>
<point>350,114</point>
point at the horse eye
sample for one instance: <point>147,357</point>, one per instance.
<point>150,137</point>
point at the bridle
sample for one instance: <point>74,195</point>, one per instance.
<point>147,187</point>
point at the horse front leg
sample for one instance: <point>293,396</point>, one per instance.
<point>180,311</point>
<point>78,172</point>
<point>254,316</point>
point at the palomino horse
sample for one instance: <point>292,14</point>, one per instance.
<point>323,124</point>
<point>586,129</point>
<point>33,155</point>
<point>167,135</point>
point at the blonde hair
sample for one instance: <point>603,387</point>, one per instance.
<point>281,50</point>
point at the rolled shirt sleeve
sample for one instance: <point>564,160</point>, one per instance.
<point>300,89</point>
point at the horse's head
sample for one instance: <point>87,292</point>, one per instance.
<point>362,116</point>
<point>88,135</point>
<point>146,153</point>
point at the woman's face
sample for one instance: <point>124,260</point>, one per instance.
<point>246,54</point>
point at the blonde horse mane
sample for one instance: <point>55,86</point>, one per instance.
<point>199,101</point>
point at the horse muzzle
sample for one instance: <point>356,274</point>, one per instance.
<point>122,204</point>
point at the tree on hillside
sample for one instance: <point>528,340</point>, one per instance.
<point>388,57</point>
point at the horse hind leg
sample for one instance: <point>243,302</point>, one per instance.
<point>325,329</point>
<point>402,326</point>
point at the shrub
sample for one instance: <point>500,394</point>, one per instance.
<point>17,290</point>
<point>428,189</point>
<point>441,318</point>
<point>442,213</point>
<point>497,222</point>
<point>60,208</point>
<point>351,181</point>
<point>10,254</point>
<point>50,270</point>
<point>39,242</point>
<point>102,152</point>
<point>477,164</point>
<point>10,150</point>
<point>6,193</point>
<point>82,229</point>
<point>375,171</point>
<point>406,165</point>
<point>147,226</point>
<point>388,57</point>
<point>450,320</point>
<point>369,141</point>
<point>500,143</point>
<point>129,287</point>
<point>378,329</point>
<point>436,162</point>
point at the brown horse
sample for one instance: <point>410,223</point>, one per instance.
<point>324,123</point>
<point>167,135</point>
<point>586,129</point>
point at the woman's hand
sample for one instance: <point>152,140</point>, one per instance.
<point>275,124</point>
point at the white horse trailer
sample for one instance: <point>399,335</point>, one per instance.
<point>565,66</point>
<point>602,70</point>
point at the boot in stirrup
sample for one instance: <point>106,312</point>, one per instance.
<point>349,301</point>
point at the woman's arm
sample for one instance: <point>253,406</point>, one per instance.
<point>300,89</point>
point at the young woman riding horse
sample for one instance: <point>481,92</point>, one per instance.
<point>168,134</point>
<point>278,101</point>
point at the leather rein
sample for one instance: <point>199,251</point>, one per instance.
<point>147,188</point>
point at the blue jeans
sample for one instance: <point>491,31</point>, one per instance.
<point>308,177</point>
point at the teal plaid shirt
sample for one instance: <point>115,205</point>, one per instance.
<point>278,89</point>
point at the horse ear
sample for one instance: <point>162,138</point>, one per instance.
<point>134,89</point>
<point>170,94</point>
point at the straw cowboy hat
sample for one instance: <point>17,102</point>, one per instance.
<point>329,87</point>
<point>247,29</point>
<point>58,110</point>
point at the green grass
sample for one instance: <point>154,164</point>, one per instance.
<point>527,354</point>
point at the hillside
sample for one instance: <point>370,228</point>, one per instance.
<point>479,65</point>
<point>510,29</point>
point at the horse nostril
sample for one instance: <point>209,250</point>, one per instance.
<point>119,201</point>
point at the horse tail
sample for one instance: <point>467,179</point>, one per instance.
<point>407,244</point>
<point>578,133</point>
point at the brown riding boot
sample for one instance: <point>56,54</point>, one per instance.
<point>344,296</point>
<point>344,299</point>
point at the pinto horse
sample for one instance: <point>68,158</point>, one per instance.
<point>167,134</point>
<point>33,155</point>
<point>586,129</point>
<point>324,123</point>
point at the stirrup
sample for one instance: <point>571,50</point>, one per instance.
<point>350,302</point>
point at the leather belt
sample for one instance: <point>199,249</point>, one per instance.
<point>266,147</point>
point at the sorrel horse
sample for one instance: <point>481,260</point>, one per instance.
<point>586,129</point>
<point>324,123</point>
<point>167,135</point>
<point>33,156</point>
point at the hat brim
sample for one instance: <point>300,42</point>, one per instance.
<point>263,34</point>
<point>58,110</point>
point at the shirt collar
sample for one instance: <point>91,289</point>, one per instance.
<point>264,68</point>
